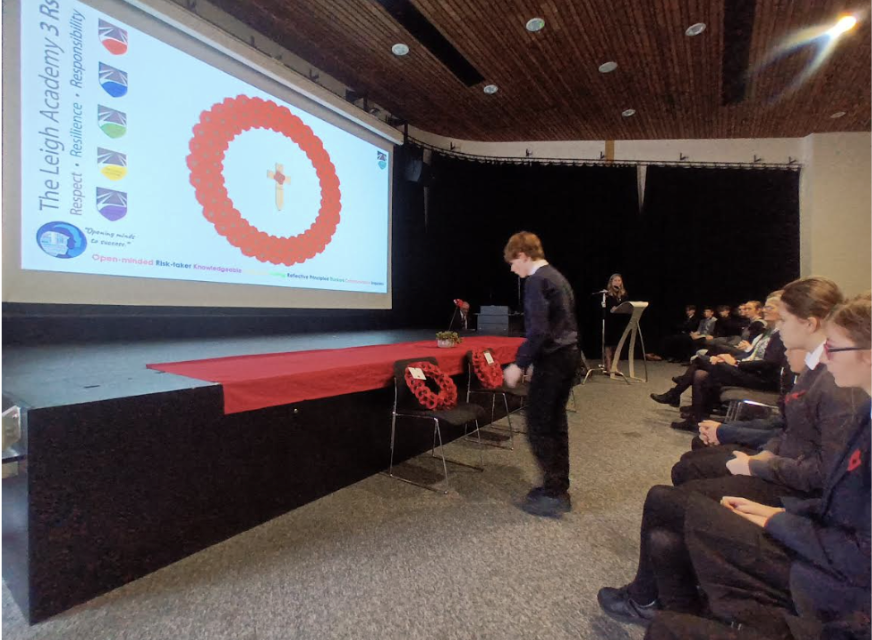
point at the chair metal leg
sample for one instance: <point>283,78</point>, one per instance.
<point>509,421</point>
<point>393,436</point>
<point>480,444</point>
<point>442,452</point>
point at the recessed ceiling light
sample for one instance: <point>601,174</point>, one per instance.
<point>628,112</point>
<point>608,67</point>
<point>695,29</point>
<point>400,49</point>
<point>491,89</point>
<point>535,24</point>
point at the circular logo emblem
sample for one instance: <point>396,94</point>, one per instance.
<point>61,240</point>
<point>212,136</point>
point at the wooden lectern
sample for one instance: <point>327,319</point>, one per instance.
<point>633,328</point>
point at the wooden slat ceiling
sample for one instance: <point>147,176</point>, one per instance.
<point>549,85</point>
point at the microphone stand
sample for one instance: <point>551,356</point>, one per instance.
<point>601,367</point>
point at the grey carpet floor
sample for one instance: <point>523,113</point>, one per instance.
<point>387,560</point>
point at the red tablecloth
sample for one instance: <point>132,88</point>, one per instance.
<point>259,381</point>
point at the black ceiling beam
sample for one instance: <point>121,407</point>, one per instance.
<point>738,30</point>
<point>404,12</point>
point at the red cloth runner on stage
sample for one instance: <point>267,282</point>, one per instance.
<point>270,380</point>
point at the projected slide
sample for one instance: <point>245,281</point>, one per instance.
<point>140,160</point>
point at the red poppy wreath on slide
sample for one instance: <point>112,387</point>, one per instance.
<point>490,375</point>
<point>212,136</point>
<point>447,396</point>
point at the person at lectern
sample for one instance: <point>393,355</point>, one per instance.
<point>615,322</point>
<point>551,346</point>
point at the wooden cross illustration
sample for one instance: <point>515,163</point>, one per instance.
<point>280,180</point>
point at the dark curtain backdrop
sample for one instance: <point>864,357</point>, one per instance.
<point>712,236</point>
<point>582,215</point>
<point>704,236</point>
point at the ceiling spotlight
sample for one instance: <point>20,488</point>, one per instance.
<point>535,24</point>
<point>491,89</point>
<point>608,67</point>
<point>400,49</point>
<point>838,114</point>
<point>628,112</point>
<point>695,29</point>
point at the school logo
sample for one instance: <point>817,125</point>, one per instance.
<point>382,160</point>
<point>61,240</point>
<point>112,122</point>
<point>113,81</point>
<point>111,204</point>
<point>112,164</point>
<point>113,38</point>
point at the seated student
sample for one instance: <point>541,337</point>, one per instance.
<point>801,570</point>
<point>750,436</point>
<point>674,347</point>
<point>682,346</point>
<point>759,369</point>
<point>753,312</point>
<point>817,417</point>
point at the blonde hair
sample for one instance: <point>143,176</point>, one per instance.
<point>526,243</point>
<point>854,318</point>
<point>622,292</point>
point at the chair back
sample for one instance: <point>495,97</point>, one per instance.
<point>404,398</point>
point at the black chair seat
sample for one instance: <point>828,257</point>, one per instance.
<point>461,414</point>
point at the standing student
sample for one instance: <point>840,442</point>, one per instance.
<point>552,348</point>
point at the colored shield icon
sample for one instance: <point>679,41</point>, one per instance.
<point>111,204</point>
<point>112,164</point>
<point>113,38</point>
<point>113,81</point>
<point>112,122</point>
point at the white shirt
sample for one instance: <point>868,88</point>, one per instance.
<point>813,359</point>
<point>536,265</point>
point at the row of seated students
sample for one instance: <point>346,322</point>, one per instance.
<point>755,361</point>
<point>765,533</point>
<point>719,330</point>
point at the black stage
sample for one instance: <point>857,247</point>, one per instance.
<point>127,469</point>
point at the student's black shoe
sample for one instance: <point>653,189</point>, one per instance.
<point>670,397</point>
<point>538,503</point>
<point>618,604</point>
<point>686,425</point>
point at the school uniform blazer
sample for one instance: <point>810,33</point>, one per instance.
<point>829,537</point>
<point>818,415</point>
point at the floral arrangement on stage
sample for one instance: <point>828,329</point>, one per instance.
<point>489,374</point>
<point>448,339</point>
<point>446,398</point>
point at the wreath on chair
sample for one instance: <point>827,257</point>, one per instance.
<point>447,396</point>
<point>490,375</point>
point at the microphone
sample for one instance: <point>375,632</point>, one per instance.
<point>597,293</point>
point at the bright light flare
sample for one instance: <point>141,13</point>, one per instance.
<point>824,37</point>
<point>845,24</point>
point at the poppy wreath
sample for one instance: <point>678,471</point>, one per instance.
<point>212,136</point>
<point>447,396</point>
<point>490,375</point>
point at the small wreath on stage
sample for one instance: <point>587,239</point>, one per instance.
<point>212,137</point>
<point>446,398</point>
<point>490,375</point>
